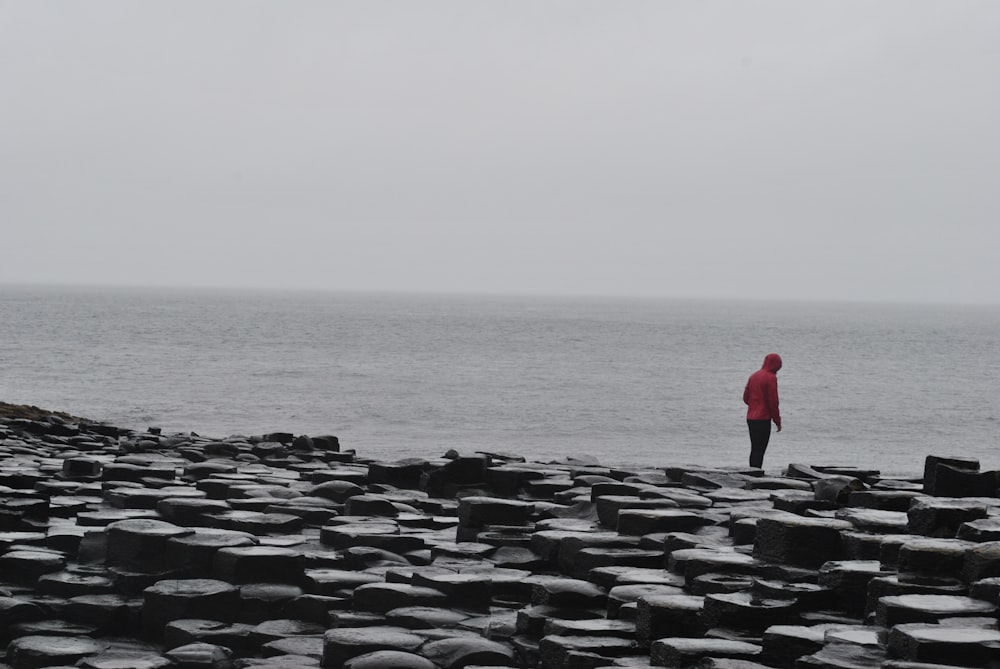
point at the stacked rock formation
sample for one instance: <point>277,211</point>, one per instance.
<point>142,550</point>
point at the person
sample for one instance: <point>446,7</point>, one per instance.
<point>761,398</point>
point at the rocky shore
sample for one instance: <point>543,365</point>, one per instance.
<point>127,549</point>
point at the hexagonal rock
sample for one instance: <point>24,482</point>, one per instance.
<point>589,559</point>
<point>709,479</point>
<point>605,486</point>
<point>189,512</point>
<point>531,620</point>
<point>464,651</point>
<point>844,656</point>
<point>836,489</point>
<point>148,498</point>
<point>674,615</point>
<point>123,659</point>
<point>509,479</point>
<point>934,557</point>
<point>746,611</point>
<point>190,598</point>
<point>848,580</point>
<point>425,617</point>
<point>386,537</point>
<point>184,631</point>
<point>201,655</point>
<point>302,646</point>
<point>887,586</point>
<point>384,597</point>
<point>249,564</point>
<point>342,644</point>
<point>942,516</point>
<point>283,628</point>
<point>986,588</point>
<point>555,649</point>
<point>33,652</point>
<point>802,542</point>
<point>875,521</point>
<point>139,544</point>
<point>931,463</point>
<point>255,522</point>
<point>883,500</point>
<point>799,502</point>
<point>194,553</point>
<point>464,590</point>
<point>693,562</point>
<point>647,521</point>
<point>568,593</point>
<point>982,561</point>
<point>620,595</point>
<point>81,467</point>
<point>127,471</point>
<point>260,601</point>
<point>51,627</point>
<point>784,644</point>
<point>336,491</point>
<point>404,473</point>
<point>624,629</point>
<point>73,583</point>
<point>683,652</point>
<point>742,526</point>
<point>25,566</point>
<point>957,482</point>
<point>480,511</point>
<point>196,471</point>
<point>337,582</point>
<point>546,540</point>
<point>389,659</point>
<point>897,609</point>
<point>977,647</point>
<point>609,577</point>
<point>810,596</point>
<point>986,529</point>
<point>373,506</point>
<point>109,613</point>
<point>446,476</point>
<point>609,506</point>
<point>686,499</point>
<point>353,473</point>
<point>715,584</point>
<point>569,547</point>
<point>14,539</point>
<point>859,635</point>
<point>889,545</point>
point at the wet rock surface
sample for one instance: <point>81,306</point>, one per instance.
<point>136,549</point>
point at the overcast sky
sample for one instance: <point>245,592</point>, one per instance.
<point>780,149</point>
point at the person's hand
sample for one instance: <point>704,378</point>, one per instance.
<point>779,428</point>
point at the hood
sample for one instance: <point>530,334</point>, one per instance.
<point>772,362</point>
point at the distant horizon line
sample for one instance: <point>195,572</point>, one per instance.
<point>488,293</point>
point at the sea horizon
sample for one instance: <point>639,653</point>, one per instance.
<point>648,380</point>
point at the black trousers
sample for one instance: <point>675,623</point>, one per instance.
<point>760,434</point>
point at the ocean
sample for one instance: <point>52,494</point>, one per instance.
<point>642,382</point>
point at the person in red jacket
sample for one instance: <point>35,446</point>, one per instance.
<point>761,398</point>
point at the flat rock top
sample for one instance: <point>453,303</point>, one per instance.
<point>940,603</point>
<point>148,527</point>
<point>938,633</point>
<point>190,586</point>
<point>384,634</point>
<point>709,645</point>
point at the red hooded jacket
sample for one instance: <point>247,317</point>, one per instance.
<point>761,393</point>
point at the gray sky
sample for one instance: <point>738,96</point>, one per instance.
<point>829,149</point>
